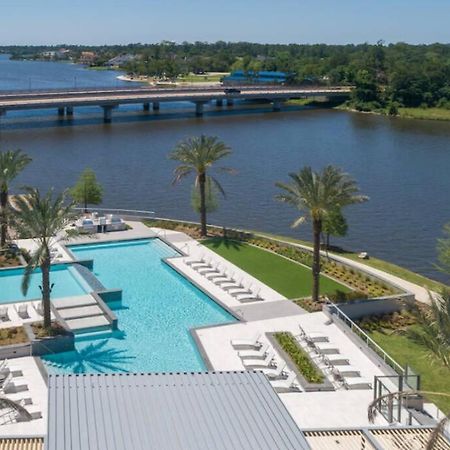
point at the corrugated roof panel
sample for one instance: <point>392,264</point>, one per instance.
<point>221,410</point>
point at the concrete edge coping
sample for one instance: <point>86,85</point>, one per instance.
<point>326,385</point>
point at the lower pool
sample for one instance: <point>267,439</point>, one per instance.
<point>158,308</point>
<point>66,283</point>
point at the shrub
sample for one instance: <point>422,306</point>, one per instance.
<point>299,357</point>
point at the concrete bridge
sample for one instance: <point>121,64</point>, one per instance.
<point>64,101</point>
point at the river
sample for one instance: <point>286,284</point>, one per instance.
<point>402,165</point>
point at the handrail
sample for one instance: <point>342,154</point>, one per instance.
<point>367,339</point>
<point>120,210</point>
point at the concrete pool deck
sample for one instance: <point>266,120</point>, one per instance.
<point>339,408</point>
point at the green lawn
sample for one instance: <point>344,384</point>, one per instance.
<point>376,263</point>
<point>287,277</point>
<point>425,113</point>
<point>435,376</point>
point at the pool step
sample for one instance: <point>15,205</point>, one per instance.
<point>80,312</point>
<point>73,302</point>
<point>85,324</point>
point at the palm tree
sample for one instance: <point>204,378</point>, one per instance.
<point>318,194</point>
<point>42,217</point>
<point>434,333</point>
<point>7,403</point>
<point>197,155</point>
<point>11,164</point>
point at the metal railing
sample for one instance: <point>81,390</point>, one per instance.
<point>334,309</point>
<point>136,213</point>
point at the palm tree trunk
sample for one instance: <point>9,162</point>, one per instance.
<point>202,182</point>
<point>317,230</point>
<point>45,268</point>
<point>4,217</point>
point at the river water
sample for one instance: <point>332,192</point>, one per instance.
<point>403,165</point>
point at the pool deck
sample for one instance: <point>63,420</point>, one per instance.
<point>338,408</point>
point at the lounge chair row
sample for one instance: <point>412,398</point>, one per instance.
<point>21,310</point>
<point>225,279</point>
<point>341,369</point>
<point>258,356</point>
<point>12,385</point>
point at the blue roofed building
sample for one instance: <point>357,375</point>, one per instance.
<point>261,77</point>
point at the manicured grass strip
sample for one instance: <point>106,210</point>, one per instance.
<point>286,277</point>
<point>376,263</point>
<point>435,376</point>
<point>299,357</point>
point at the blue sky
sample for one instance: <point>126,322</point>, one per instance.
<point>299,21</point>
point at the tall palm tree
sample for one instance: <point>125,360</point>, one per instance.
<point>7,403</point>
<point>42,218</point>
<point>434,333</point>
<point>317,194</point>
<point>197,155</point>
<point>11,164</point>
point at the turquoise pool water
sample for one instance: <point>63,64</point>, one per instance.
<point>158,308</point>
<point>66,281</point>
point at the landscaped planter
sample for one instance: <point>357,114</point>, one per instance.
<point>52,344</point>
<point>325,385</point>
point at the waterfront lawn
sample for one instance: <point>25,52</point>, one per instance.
<point>435,376</point>
<point>425,113</point>
<point>286,277</point>
<point>376,263</point>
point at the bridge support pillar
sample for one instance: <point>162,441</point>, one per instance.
<point>146,107</point>
<point>69,110</point>
<point>276,105</point>
<point>219,102</point>
<point>199,108</point>
<point>230,102</point>
<point>61,112</point>
<point>107,113</point>
<point>155,106</point>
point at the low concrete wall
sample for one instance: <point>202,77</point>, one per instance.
<point>15,350</point>
<point>53,344</point>
<point>88,263</point>
<point>110,295</point>
<point>106,310</point>
<point>375,307</point>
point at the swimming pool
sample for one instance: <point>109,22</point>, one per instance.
<point>158,308</point>
<point>67,283</point>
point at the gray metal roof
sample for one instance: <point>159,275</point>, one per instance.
<point>220,410</point>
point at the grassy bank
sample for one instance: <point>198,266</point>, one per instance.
<point>376,263</point>
<point>435,376</point>
<point>425,113</point>
<point>192,78</point>
<point>286,277</point>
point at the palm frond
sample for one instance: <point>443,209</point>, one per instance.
<point>6,403</point>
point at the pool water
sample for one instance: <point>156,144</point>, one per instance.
<point>66,281</point>
<point>158,308</point>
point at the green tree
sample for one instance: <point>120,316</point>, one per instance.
<point>198,155</point>
<point>335,225</point>
<point>11,164</point>
<point>434,333</point>
<point>88,190</point>
<point>317,194</point>
<point>43,218</point>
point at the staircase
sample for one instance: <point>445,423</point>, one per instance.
<point>82,314</point>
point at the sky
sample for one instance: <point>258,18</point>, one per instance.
<point>27,22</point>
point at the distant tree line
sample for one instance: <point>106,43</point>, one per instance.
<point>385,76</point>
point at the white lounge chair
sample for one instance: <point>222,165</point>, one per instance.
<point>221,276</point>
<point>254,354</point>
<point>190,261</point>
<point>335,360</point>
<point>346,371</point>
<point>357,383</point>
<point>247,343</point>
<point>204,263</point>
<point>209,269</point>
<point>325,348</point>
<point>33,410</point>
<point>268,361</point>
<point>288,384</point>
<point>240,289</point>
<point>252,297</point>
<point>38,307</point>
<point>4,313</point>
<point>233,284</point>
<point>22,311</point>
<point>276,373</point>
<point>12,384</point>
